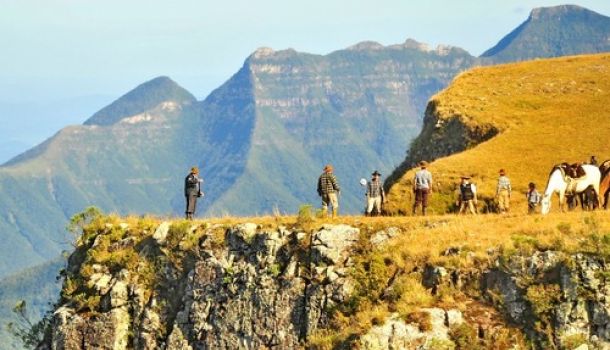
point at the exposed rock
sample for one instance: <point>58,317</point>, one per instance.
<point>160,234</point>
<point>330,244</point>
<point>583,308</point>
<point>246,294</point>
<point>383,236</point>
<point>395,333</point>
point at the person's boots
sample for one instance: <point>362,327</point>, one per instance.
<point>414,212</point>
<point>423,211</point>
<point>335,213</point>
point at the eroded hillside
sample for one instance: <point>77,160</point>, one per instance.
<point>523,117</point>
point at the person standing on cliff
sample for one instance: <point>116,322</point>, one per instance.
<point>192,191</point>
<point>375,195</point>
<point>328,189</point>
<point>503,192</point>
<point>422,187</point>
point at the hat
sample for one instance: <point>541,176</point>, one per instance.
<point>363,182</point>
<point>531,184</point>
<point>328,168</point>
<point>502,172</point>
<point>376,173</point>
<point>423,163</point>
<point>195,170</point>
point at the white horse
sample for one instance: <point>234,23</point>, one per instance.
<point>559,182</point>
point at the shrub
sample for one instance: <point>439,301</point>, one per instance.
<point>573,341</point>
<point>543,298</point>
<point>305,215</point>
<point>465,337</point>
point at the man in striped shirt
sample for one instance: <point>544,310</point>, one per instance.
<point>328,189</point>
<point>375,194</point>
<point>503,192</point>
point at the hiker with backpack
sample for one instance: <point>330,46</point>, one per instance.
<point>467,196</point>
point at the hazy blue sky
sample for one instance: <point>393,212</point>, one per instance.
<point>59,50</point>
<point>63,48</point>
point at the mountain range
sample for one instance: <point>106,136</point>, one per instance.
<point>261,139</point>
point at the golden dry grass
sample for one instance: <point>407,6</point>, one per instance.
<point>547,111</point>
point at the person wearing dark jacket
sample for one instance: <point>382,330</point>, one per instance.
<point>192,191</point>
<point>467,199</point>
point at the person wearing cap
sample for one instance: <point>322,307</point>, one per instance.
<point>467,196</point>
<point>422,186</point>
<point>375,194</point>
<point>503,191</point>
<point>192,191</point>
<point>328,189</point>
<point>593,161</point>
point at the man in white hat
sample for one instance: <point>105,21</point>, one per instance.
<point>375,194</point>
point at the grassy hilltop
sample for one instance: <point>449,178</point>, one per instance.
<point>522,117</point>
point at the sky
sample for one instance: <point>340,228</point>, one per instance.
<point>62,60</point>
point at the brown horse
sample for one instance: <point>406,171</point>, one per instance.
<point>604,166</point>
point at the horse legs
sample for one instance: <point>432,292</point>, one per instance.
<point>562,199</point>
<point>599,196</point>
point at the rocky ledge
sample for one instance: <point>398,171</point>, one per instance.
<point>191,285</point>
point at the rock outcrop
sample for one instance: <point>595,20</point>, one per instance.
<point>260,289</point>
<point>187,285</point>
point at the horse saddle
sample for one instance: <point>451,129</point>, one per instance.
<point>573,171</point>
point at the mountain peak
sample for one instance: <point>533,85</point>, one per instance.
<point>554,31</point>
<point>556,11</point>
<point>366,45</point>
<point>144,97</point>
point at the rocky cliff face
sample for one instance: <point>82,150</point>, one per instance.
<point>445,132</point>
<point>246,286</point>
<point>259,289</point>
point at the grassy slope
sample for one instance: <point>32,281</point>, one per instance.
<point>548,111</point>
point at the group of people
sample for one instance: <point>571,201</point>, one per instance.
<point>328,190</point>
<point>466,200</point>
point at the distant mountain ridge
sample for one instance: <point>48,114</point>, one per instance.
<point>261,139</point>
<point>141,99</point>
<point>554,31</point>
